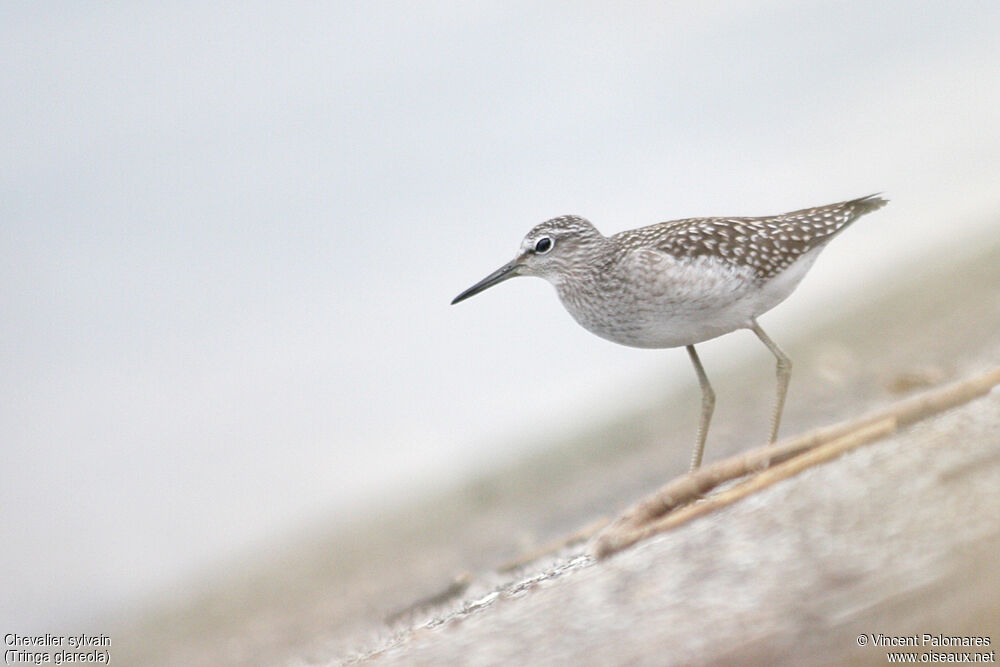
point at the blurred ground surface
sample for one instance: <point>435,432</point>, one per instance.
<point>896,538</point>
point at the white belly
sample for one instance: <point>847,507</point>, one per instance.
<point>658,301</point>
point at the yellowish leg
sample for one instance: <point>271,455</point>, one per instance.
<point>707,407</point>
<point>784,373</point>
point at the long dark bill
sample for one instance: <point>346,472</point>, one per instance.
<point>503,273</point>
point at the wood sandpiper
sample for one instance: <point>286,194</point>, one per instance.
<point>681,282</point>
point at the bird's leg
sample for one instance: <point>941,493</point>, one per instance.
<point>707,407</point>
<point>784,373</point>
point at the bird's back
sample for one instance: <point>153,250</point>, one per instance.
<point>767,245</point>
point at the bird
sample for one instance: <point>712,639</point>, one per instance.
<point>682,282</point>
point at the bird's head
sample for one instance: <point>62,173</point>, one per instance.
<point>554,250</point>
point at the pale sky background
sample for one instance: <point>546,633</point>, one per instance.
<point>229,234</point>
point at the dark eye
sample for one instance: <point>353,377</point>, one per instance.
<point>543,245</point>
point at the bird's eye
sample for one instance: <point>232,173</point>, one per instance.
<point>543,245</point>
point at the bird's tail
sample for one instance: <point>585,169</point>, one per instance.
<point>859,207</point>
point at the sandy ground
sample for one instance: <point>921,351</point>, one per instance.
<point>898,537</point>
